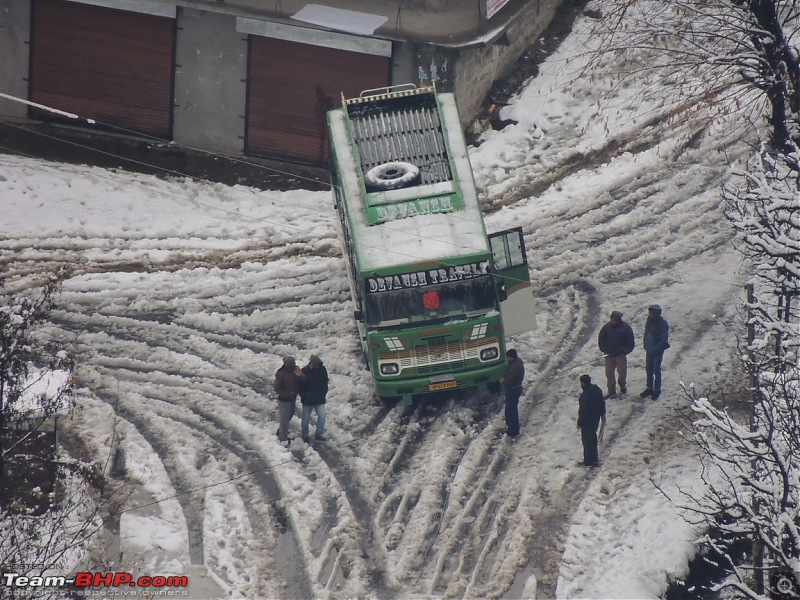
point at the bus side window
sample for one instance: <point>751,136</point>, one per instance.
<point>500,252</point>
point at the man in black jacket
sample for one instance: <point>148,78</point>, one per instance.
<point>591,412</point>
<point>616,342</point>
<point>512,384</point>
<point>313,391</point>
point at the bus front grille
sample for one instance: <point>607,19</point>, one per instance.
<point>440,358</point>
<point>430,355</point>
<point>441,368</point>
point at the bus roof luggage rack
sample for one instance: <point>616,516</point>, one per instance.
<point>400,125</point>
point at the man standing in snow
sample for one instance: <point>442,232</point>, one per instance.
<point>287,386</point>
<point>512,384</point>
<point>616,342</point>
<point>656,340</point>
<point>591,413</point>
<point>313,390</point>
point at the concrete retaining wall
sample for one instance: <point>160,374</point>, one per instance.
<point>15,27</point>
<point>475,69</point>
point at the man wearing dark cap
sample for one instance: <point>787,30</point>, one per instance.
<point>313,390</point>
<point>591,412</point>
<point>287,386</point>
<point>656,340</point>
<point>616,342</point>
<point>512,384</point>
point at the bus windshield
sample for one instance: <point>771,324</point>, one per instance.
<point>429,302</point>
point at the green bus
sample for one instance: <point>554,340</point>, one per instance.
<point>434,295</point>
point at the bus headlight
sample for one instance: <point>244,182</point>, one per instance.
<point>390,369</point>
<point>490,353</point>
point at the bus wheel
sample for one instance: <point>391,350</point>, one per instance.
<point>391,176</point>
<point>494,387</point>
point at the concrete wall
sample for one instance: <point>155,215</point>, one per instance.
<point>210,89</point>
<point>403,62</point>
<point>475,69</point>
<point>15,29</point>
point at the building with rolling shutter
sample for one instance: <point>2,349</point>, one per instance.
<point>247,77</point>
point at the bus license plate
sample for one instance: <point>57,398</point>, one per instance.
<point>442,385</point>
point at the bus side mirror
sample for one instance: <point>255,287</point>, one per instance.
<point>358,315</point>
<point>502,293</point>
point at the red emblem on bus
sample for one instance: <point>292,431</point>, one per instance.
<point>430,300</point>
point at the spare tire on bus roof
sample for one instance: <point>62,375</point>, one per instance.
<point>391,176</point>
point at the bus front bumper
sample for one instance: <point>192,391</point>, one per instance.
<point>413,386</point>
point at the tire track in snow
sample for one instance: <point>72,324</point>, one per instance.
<point>384,409</point>
<point>535,176</point>
<point>636,448</point>
<point>579,330</point>
<point>28,258</point>
<point>290,561</point>
<point>465,548</point>
<point>621,239</point>
<point>174,332</point>
<point>374,557</point>
<point>415,527</point>
<point>412,425</point>
<point>706,230</point>
<point>180,478</point>
<point>222,436</point>
<point>396,488</point>
<point>206,354</point>
<point>635,141</point>
<point>485,516</point>
<point>551,518</point>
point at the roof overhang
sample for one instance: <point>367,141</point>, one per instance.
<point>314,37</point>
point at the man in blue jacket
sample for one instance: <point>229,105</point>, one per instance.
<point>656,340</point>
<point>313,392</point>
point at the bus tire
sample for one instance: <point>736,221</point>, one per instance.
<point>391,176</point>
<point>494,387</point>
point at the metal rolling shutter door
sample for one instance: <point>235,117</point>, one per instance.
<point>109,65</point>
<point>291,87</point>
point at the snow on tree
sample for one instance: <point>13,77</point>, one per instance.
<point>714,56</point>
<point>762,463</point>
<point>23,355</point>
<point>49,508</point>
<point>752,486</point>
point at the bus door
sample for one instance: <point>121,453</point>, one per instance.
<point>516,309</point>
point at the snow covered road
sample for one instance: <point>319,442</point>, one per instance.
<point>185,294</point>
